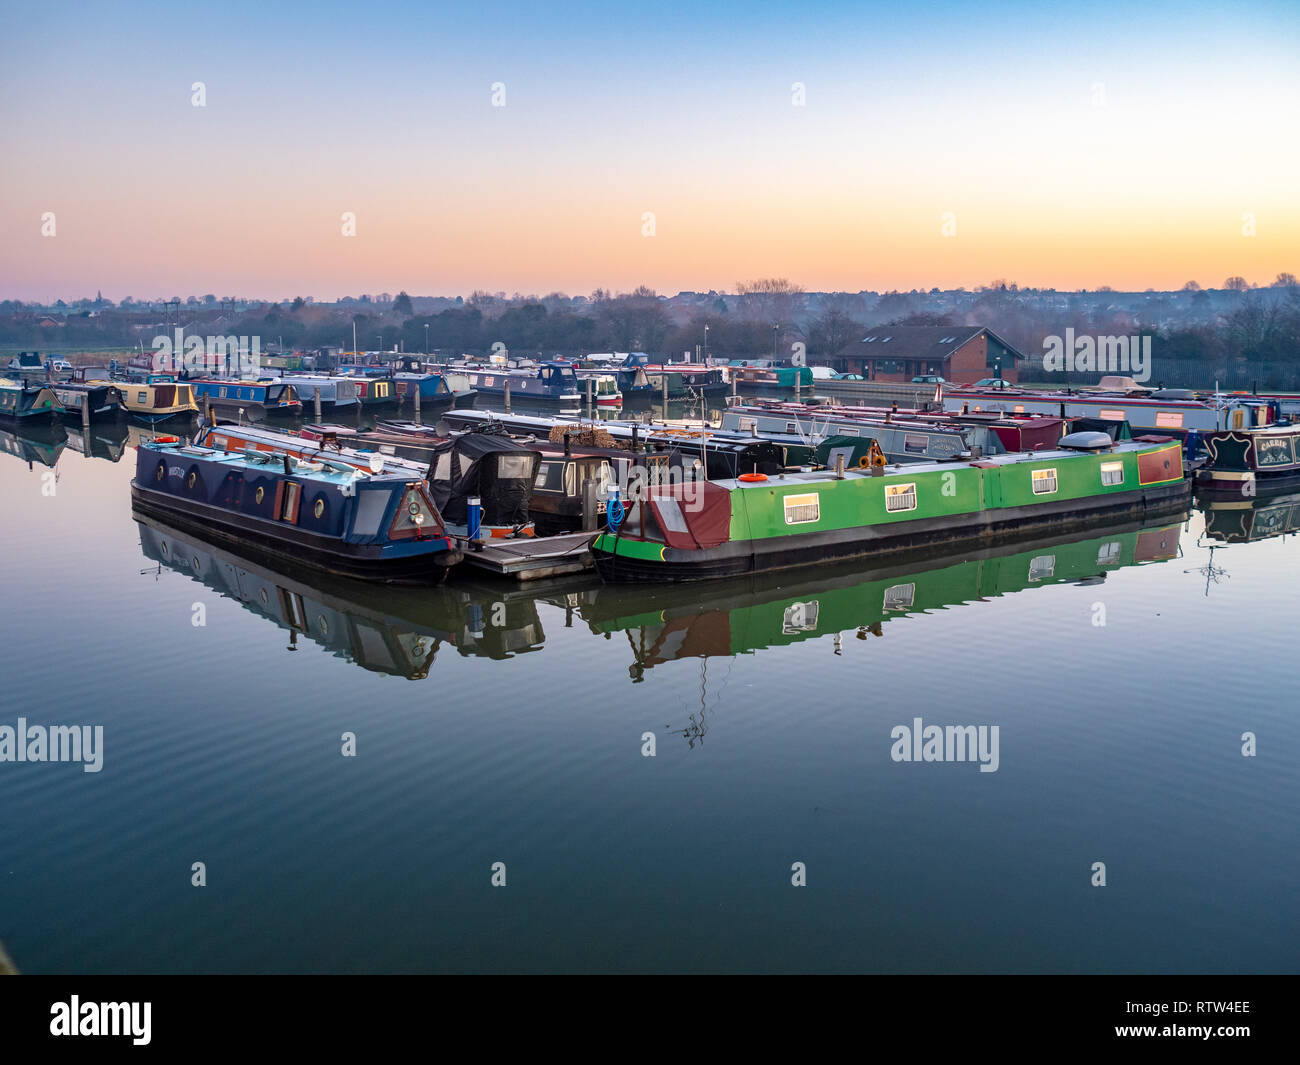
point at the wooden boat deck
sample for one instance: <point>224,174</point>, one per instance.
<point>530,559</point>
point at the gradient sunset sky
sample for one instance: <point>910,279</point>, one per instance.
<point>1073,145</point>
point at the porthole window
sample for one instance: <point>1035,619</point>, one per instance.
<point>324,625</point>
<point>162,547</point>
<point>319,508</point>
<point>160,472</point>
<point>261,592</point>
<point>261,492</point>
<point>193,479</point>
<point>195,563</point>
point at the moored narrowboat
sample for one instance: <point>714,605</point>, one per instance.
<point>160,399</point>
<point>1247,462</point>
<point>763,375</point>
<point>256,399</point>
<point>23,401</point>
<point>92,402</point>
<point>326,514</point>
<point>553,383</point>
<point>756,522</point>
<point>338,394</point>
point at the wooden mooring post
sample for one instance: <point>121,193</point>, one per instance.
<point>315,402</point>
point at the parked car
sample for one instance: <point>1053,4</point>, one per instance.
<point>849,377</point>
<point>928,379</point>
<point>992,382</point>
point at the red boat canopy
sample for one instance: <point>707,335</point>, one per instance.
<point>692,515</point>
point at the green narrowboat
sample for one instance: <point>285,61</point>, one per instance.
<point>754,523</point>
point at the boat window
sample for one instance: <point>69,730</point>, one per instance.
<point>1112,473</point>
<point>791,427</point>
<point>900,596</point>
<point>1109,552</point>
<point>142,397</point>
<point>800,617</point>
<point>1044,481</point>
<point>800,509</point>
<point>550,477</point>
<point>747,425</point>
<point>1111,415</point>
<point>1042,567</point>
<point>915,443</point>
<point>570,479</point>
<point>442,469</point>
<point>514,467</point>
<point>1169,419</point>
<point>222,393</point>
<point>899,497</point>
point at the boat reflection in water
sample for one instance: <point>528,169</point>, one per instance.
<point>1241,521</point>
<point>104,439</point>
<point>671,622</point>
<point>36,444</point>
<point>385,629</point>
<point>400,630</point>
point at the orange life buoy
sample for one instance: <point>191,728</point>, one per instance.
<point>752,477</point>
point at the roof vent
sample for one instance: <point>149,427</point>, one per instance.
<point>1086,441</point>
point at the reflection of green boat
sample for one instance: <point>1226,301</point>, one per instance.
<point>38,443</point>
<point>1244,520</point>
<point>389,630</point>
<point>672,621</point>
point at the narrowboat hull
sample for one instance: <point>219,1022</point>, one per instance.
<point>982,502</point>
<point>361,562</point>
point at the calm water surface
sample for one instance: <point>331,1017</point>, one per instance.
<point>500,725</point>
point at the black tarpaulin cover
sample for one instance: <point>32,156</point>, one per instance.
<point>492,467</point>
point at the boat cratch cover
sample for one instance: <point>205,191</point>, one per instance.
<point>492,467</point>
<point>692,515</point>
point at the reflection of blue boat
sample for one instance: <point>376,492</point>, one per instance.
<point>390,630</point>
<point>324,514</point>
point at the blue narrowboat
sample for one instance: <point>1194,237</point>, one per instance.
<point>265,398</point>
<point>554,383</point>
<point>25,401</point>
<point>336,393</point>
<point>320,513</point>
<point>438,391</point>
